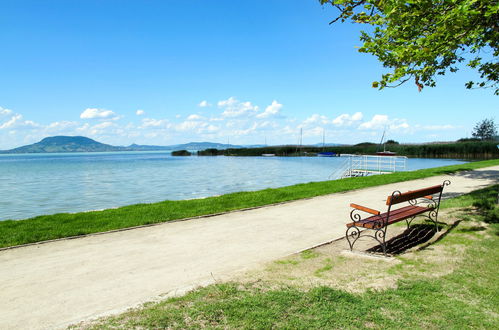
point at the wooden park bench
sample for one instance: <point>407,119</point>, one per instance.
<point>422,202</point>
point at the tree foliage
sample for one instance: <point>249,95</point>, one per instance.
<point>420,39</point>
<point>485,130</point>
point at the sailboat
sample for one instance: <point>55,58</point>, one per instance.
<point>325,153</point>
<point>384,152</point>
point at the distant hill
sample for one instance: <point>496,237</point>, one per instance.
<point>84,144</point>
<point>64,144</point>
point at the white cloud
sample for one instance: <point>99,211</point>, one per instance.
<point>11,122</point>
<point>103,125</point>
<point>315,119</point>
<point>207,129</point>
<point>347,120</point>
<point>377,121</point>
<point>91,113</point>
<point>61,125</point>
<point>187,125</point>
<point>83,128</point>
<point>313,132</point>
<point>194,117</point>
<point>5,112</point>
<point>16,121</point>
<point>140,112</point>
<point>271,110</point>
<point>193,125</point>
<point>234,108</point>
<point>204,104</point>
<point>438,127</point>
<point>155,123</point>
<point>382,121</point>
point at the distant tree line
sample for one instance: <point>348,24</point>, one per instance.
<point>181,153</point>
<point>460,150</point>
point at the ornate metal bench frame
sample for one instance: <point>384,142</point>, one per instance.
<point>380,225</point>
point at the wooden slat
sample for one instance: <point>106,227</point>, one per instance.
<point>395,216</point>
<point>365,209</point>
<point>413,195</point>
<point>427,196</point>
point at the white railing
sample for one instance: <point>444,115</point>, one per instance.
<point>363,165</point>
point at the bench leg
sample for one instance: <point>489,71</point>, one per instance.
<point>352,235</point>
<point>433,216</point>
<point>380,236</point>
<point>408,221</point>
<point>437,229</point>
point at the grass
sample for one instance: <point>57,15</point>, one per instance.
<point>465,297</point>
<point>61,225</point>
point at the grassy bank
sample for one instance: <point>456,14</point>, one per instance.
<point>452,284</point>
<point>66,225</point>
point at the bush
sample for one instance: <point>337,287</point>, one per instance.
<point>181,153</point>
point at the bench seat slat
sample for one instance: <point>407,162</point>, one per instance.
<point>377,221</point>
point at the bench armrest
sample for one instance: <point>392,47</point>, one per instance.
<point>365,209</point>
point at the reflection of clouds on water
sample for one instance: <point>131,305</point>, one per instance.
<point>51,183</point>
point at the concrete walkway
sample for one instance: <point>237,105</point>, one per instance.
<point>55,284</point>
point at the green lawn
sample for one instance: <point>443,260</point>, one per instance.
<point>462,299</point>
<point>61,225</point>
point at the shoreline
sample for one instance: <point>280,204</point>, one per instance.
<point>65,225</point>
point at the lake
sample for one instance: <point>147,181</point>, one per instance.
<point>36,184</point>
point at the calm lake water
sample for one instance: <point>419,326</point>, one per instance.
<point>35,184</point>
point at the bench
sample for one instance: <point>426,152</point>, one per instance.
<point>422,202</point>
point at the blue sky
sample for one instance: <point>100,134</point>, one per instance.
<point>174,71</point>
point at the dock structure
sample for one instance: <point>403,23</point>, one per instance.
<point>364,165</point>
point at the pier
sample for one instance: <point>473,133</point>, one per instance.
<point>364,165</point>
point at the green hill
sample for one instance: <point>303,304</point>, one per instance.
<point>84,144</point>
<point>65,144</point>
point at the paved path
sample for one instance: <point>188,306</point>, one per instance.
<point>55,284</point>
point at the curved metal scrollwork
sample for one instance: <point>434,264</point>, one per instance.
<point>409,220</point>
<point>380,235</point>
<point>446,183</point>
<point>432,216</point>
<point>395,194</point>
<point>431,203</point>
<point>377,224</point>
<point>352,235</point>
<point>355,216</point>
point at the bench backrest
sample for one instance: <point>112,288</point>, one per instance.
<point>413,194</point>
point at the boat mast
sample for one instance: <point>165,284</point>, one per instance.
<point>323,139</point>
<point>381,142</point>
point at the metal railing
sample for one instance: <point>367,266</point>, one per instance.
<point>363,165</point>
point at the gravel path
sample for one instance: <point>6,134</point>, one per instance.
<point>59,283</point>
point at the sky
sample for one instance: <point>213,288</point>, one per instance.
<point>245,72</point>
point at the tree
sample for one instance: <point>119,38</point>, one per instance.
<point>420,39</point>
<point>485,130</point>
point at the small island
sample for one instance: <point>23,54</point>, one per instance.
<point>181,153</point>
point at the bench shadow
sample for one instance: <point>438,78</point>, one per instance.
<point>416,235</point>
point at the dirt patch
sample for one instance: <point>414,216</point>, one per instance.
<point>334,265</point>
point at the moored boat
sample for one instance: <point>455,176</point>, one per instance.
<point>327,154</point>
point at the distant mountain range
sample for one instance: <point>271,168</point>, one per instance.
<point>84,144</point>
